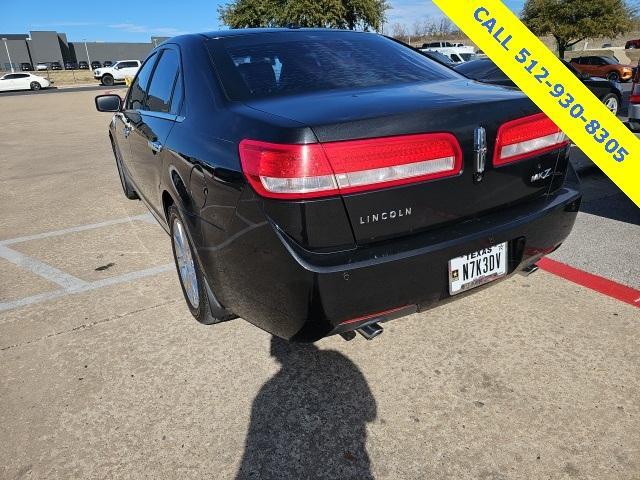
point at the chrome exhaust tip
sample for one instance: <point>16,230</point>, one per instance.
<point>530,269</point>
<point>370,331</point>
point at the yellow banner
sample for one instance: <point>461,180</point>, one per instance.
<point>548,83</point>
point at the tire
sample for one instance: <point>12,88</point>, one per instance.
<point>127,188</point>
<point>196,291</point>
<point>35,86</point>
<point>613,77</point>
<point>107,80</point>
<point>612,102</point>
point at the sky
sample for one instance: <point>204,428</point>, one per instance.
<point>114,21</point>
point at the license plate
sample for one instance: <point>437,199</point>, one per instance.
<point>477,268</point>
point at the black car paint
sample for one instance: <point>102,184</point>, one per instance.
<point>600,87</point>
<point>299,269</point>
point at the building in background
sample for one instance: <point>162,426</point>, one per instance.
<point>49,46</point>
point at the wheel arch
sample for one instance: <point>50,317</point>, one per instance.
<point>167,202</point>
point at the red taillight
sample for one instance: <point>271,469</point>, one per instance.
<point>319,170</point>
<point>287,171</point>
<point>527,137</point>
<point>635,91</point>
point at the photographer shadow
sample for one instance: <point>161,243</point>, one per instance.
<point>309,420</point>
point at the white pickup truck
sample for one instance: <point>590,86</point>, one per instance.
<point>118,72</point>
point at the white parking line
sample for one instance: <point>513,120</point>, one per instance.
<point>88,286</point>
<point>147,217</point>
<point>70,285</point>
<point>66,281</point>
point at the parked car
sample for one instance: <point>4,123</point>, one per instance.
<point>22,81</point>
<point>458,57</point>
<point>484,70</point>
<point>352,187</point>
<point>95,64</point>
<point>634,103</point>
<point>438,57</point>
<point>26,67</point>
<point>56,66</point>
<point>117,73</point>
<point>604,67</point>
<point>107,63</point>
<point>70,66</point>
<point>449,51</point>
<point>632,44</point>
<point>42,66</point>
<point>82,65</point>
<point>434,45</point>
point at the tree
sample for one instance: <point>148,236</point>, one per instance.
<point>399,31</point>
<point>351,14</point>
<point>572,21</point>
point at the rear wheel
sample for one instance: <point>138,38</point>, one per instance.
<point>107,80</point>
<point>613,77</point>
<point>35,86</point>
<point>612,103</point>
<point>198,296</point>
<point>127,188</point>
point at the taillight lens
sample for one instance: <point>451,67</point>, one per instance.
<point>635,92</point>
<point>527,137</point>
<point>287,171</point>
<point>319,170</point>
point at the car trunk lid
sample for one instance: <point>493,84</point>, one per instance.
<point>456,107</point>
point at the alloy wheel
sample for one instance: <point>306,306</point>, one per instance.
<point>612,105</point>
<point>186,266</point>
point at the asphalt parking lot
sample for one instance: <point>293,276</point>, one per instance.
<point>104,374</point>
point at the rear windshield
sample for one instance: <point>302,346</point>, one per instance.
<point>284,63</point>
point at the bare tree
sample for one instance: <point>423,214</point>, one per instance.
<point>399,31</point>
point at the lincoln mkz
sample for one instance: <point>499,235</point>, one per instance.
<point>320,182</point>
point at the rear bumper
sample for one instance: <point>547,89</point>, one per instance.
<point>634,112</point>
<point>265,277</point>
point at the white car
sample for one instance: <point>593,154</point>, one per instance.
<point>22,81</point>
<point>42,66</point>
<point>456,54</point>
<point>118,72</point>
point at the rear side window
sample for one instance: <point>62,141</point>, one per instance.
<point>164,78</point>
<point>285,63</point>
<point>135,100</point>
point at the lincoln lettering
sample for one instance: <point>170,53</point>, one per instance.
<point>384,216</point>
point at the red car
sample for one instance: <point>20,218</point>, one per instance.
<point>632,44</point>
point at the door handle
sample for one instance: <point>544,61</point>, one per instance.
<point>155,146</point>
<point>126,131</point>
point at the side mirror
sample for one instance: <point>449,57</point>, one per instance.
<point>108,103</point>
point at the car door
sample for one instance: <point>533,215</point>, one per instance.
<point>582,64</point>
<point>157,118</point>
<point>8,82</point>
<point>130,116</point>
<point>128,69</point>
<point>595,66</point>
<point>22,81</point>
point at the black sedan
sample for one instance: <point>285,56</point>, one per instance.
<point>318,182</point>
<point>484,70</point>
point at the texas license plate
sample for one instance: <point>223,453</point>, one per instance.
<point>477,268</point>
